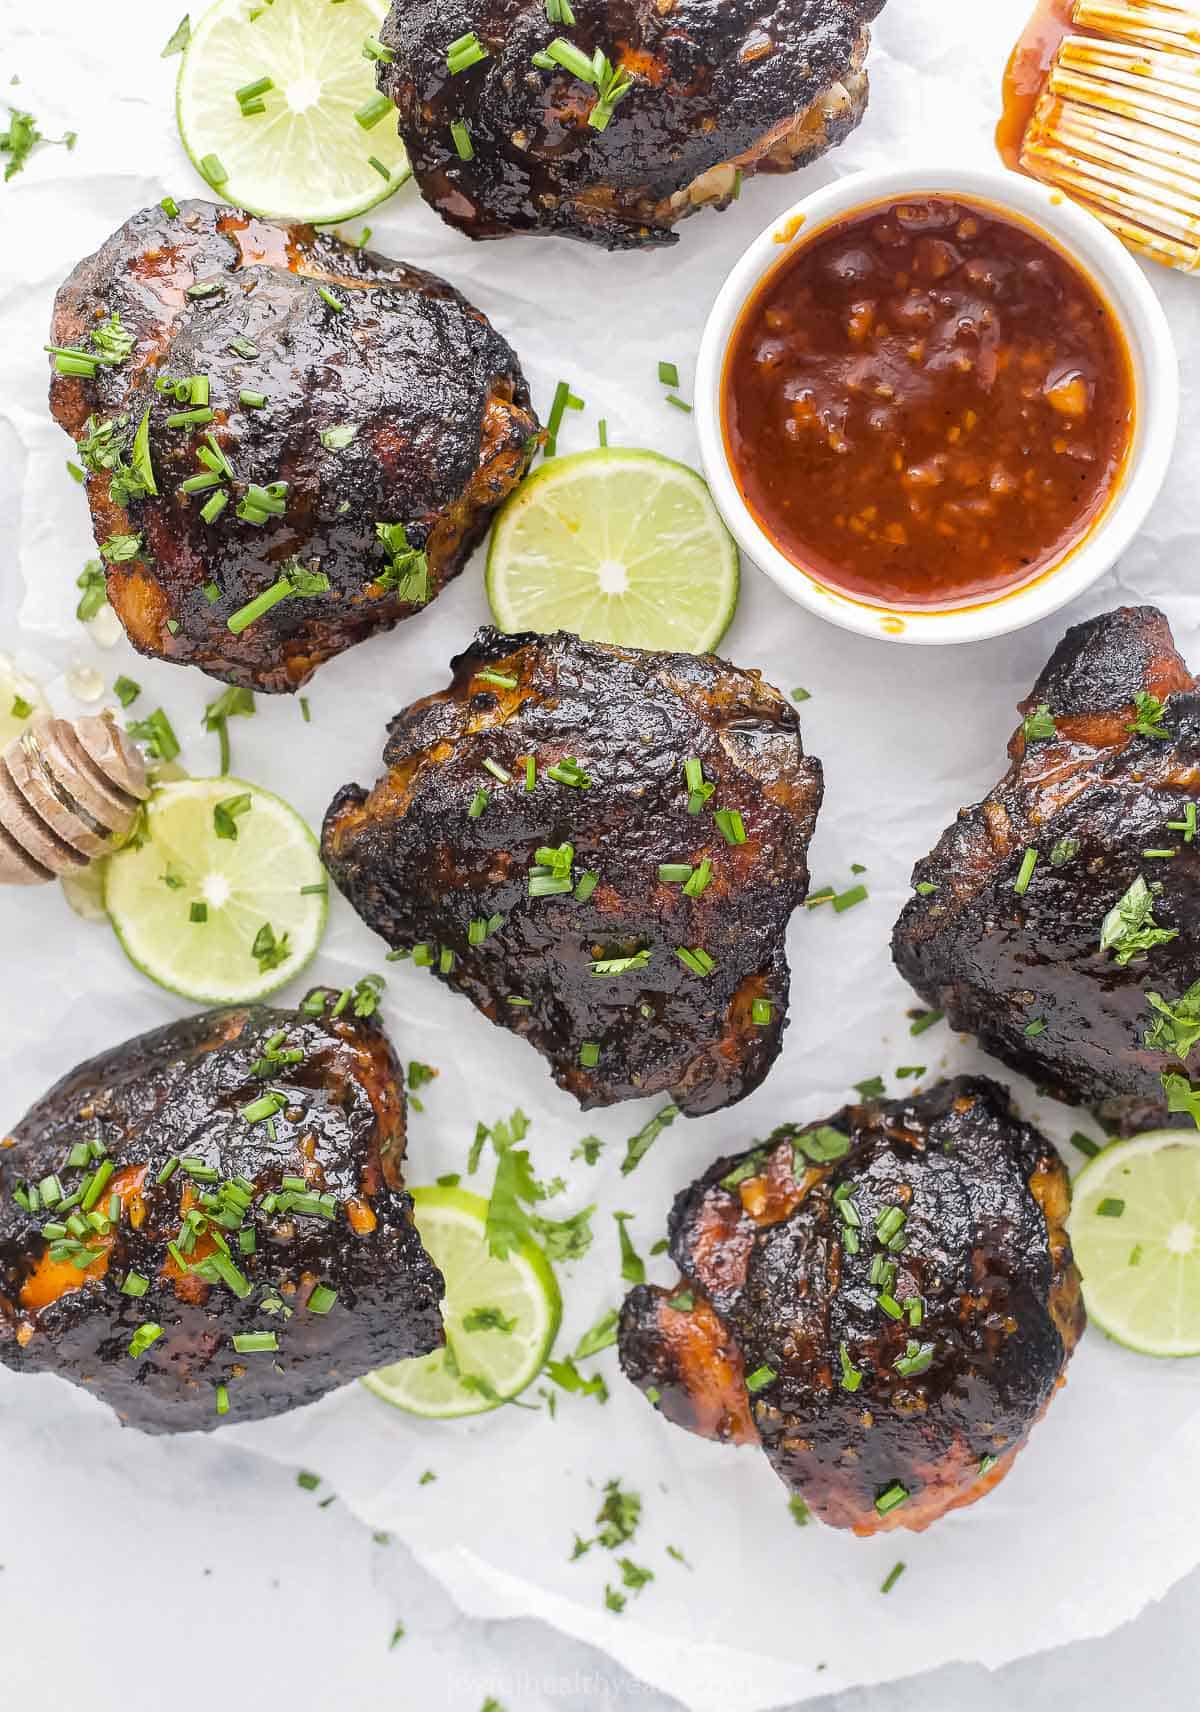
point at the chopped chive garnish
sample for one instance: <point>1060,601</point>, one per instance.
<point>586,885</point>
<point>668,374</point>
<point>169,207</point>
<point>697,960</point>
<point>1036,1027</point>
<point>761,1012</point>
<point>251,1343</point>
<point>1028,863</point>
<point>1187,825</point>
<point>500,679</point>
<point>892,1498</point>
<point>699,880</point>
<point>852,1377</point>
<point>321,1299</point>
<point>248,91</point>
<point>463,147</point>
<point>143,1338</point>
<point>210,511</point>
<point>673,398</point>
<point>212,169</point>
<point>445,960</point>
<point>569,772</point>
<point>892,1577</point>
<point>760,1378</point>
<point>700,789</point>
<point>729,824</point>
<point>467,51</point>
<point>478,803</point>
<point>1111,1207</point>
<point>374,160</point>
<point>674,873</point>
<point>372,111</point>
<point>927,1019</point>
<point>168,1171</point>
<point>198,911</point>
<point>126,690</point>
<point>327,297</point>
<point>252,400</point>
<point>222,1399</point>
<point>589,1054</point>
<point>1084,1144</point>
<point>190,418</point>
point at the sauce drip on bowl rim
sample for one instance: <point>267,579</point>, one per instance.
<point>927,404</point>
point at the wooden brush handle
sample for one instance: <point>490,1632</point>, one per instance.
<point>69,792</point>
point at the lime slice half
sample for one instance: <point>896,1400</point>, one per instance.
<point>261,896</point>
<point>305,156</point>
<point>500,1316</point>
<point>1135,1229</point>
<point>616,546</point>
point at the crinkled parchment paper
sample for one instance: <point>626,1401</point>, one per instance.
<point>1099,1515</point>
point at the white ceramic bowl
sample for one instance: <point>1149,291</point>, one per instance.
<point>1156,382</point>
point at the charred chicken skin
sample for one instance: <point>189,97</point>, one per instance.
<point>209,1222</point>
<point>886,1303</point>
<point>617,121</point>
<point>601,848</point>
<point>1059,920</point>
<point>290,443</point>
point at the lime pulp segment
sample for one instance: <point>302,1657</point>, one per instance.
<point>617,546</point>
<point>301,145</point>
<point>1135,1229</point>
<point>500,1316</point>
<point>208,916</point>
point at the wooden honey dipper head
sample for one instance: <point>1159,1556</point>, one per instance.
<point>69,792</point>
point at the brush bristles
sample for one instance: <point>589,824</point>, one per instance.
<point>1118,124</point>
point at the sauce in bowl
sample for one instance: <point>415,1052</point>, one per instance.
<point>927,404</point>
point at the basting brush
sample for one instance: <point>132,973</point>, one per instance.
<point>1117,124</point>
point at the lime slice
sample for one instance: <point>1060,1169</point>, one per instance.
<point>20,699</point>
<point>1135,1229</point>
<point>255,892</point>
<point>479,1368</point>
<point>306,156</point>
<point>616,546</point>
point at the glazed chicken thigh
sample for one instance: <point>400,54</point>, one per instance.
<point>885,1302</point>
<point>209,1223</point>
<point>1059,920</point>
<point>623,116</point>
<point>601,848</point>
<point>290,443</point>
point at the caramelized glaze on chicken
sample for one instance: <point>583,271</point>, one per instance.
<point>266,360</point>
<point>716,91</point>
<point>886,1303</point>
<point>208,1223</point>
<point>601,848</point>
<point>1047,914</point>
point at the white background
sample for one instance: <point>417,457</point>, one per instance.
<point>144,1569</point>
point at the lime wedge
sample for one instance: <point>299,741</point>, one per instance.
<point>1135,1229</point>
<point>615,546</point>
<point>260,896</point>
<point>305,155</point>
<point>500,1316</point>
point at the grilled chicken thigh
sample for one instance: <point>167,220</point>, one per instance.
<point>291,443</point>
<point>505,138</point>
<point>885,1303</point>
<point>1059,920</point>
<point>600,847</point>
<point>209,1222</point>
